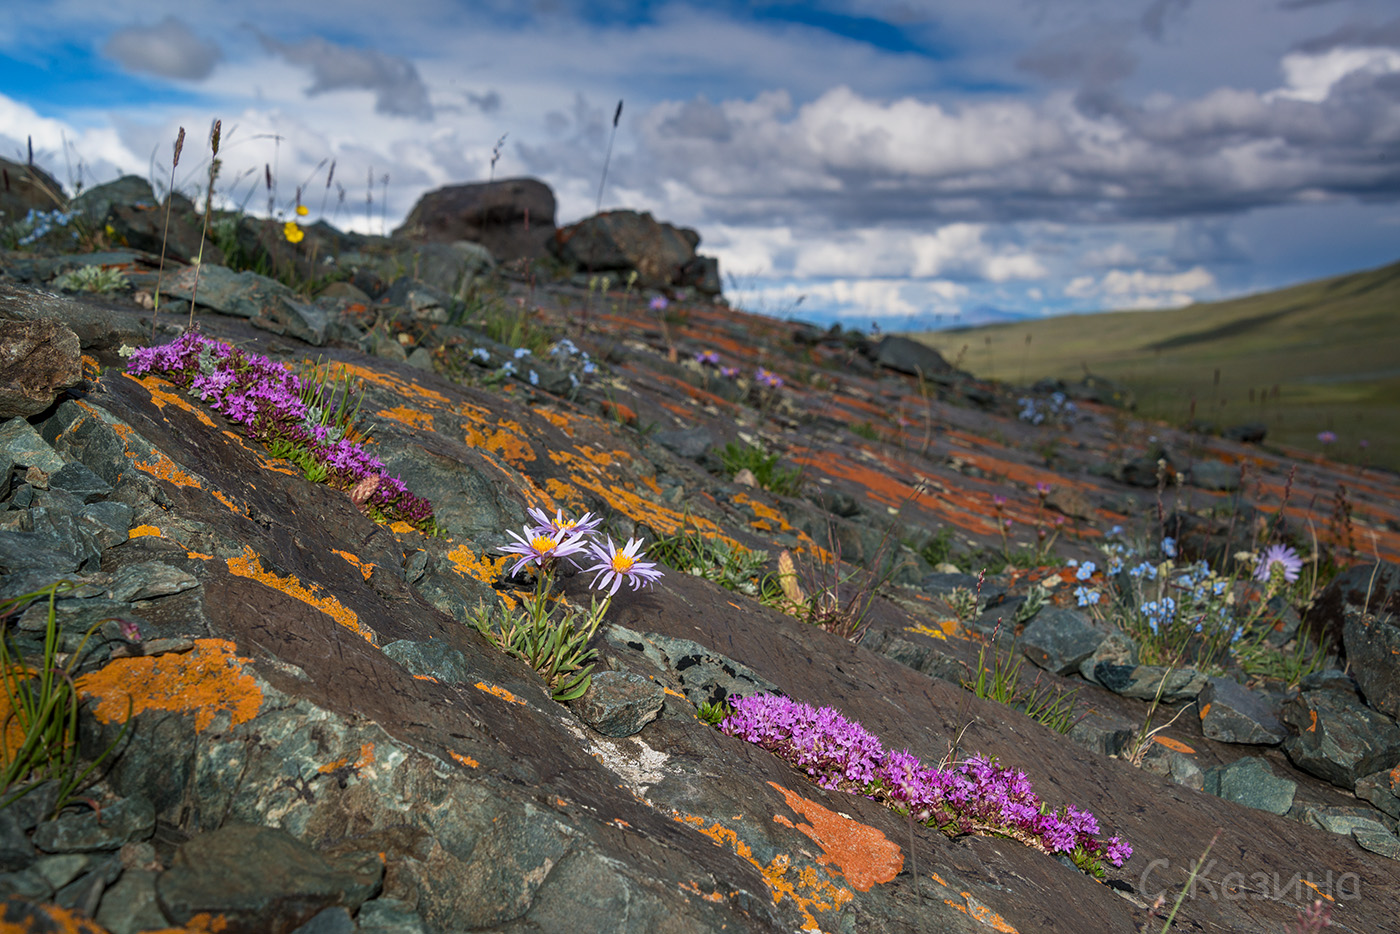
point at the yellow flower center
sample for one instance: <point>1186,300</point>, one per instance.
<point>622,563</point>
<point>543,544</point>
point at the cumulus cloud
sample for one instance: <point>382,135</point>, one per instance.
<point>1141,289</point>
<point>168,49</point>
<point>397,87</point>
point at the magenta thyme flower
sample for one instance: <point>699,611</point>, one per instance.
<point>540,547</point>
<point>975,796</point>
<point>1283,556</point>
<point>618,566</point>
<point>265,398</point>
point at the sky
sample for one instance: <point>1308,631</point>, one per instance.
<point>911,163</point>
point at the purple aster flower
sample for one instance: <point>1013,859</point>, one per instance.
<point>588,525</point>
<point>707,358</point>
<point>659,303</point>
<point>625,565</point>
<point>1326,437</point>
<point>768,378</point>
<point>538,548</point>
<point>1282,555</point>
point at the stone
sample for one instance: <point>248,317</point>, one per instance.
<point>129,906</point>
<point>27,448</point>
<point>1117,649</point>
<point>26,883</point>
<point>1246,433</point>
<point>268,303</point>
<point>85,893</point>
<point>329,921</point>
<point>1144,681</point>
<point>1250,781</point>
<point>38,360</point>
<point>1059,639</point>
<point>1386,844</point>
<point>622,242</point>
<point>131,818</point>
<point>619,703</point>
<point>906,355</point>
<point>62,869</point>
<point>1381,789</point>
<point>16,852</point>
<point>431,659</point>
<point>1345,820</point>
<point>836,502</point>
<point>1231,713</point>
<point>1214,475</point>
<point>1177,766</point>
<point>513,217</point>
<point>1371,638</point>
<point>704,675</point>
<point>691,443</point>
<point>1339,739</point>
<point>78,479</point>
<point>149,580</point>
<point>27,188</point>
<point>131,190</point>
<point>388,916</point>
<point>286,886</point>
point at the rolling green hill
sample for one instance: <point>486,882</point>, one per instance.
<point>1321,356</point>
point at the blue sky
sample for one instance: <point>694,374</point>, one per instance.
<point>915,163</point>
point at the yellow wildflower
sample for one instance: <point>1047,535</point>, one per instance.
<point>292,232</point>
<point>302,210</point>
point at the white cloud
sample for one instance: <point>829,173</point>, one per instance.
<point>1140,289</point>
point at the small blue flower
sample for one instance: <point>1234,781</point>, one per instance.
<point>1115,565</point>
<point>522,352</point>
<point>1116,531</point>
<point>534,378</point>
<point>1169,547</point>
<point>1086,597</point>
<point>1086,571</point>
<point>508,368</point>
<point>481,353</point>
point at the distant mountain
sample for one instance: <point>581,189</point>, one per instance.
<point>925,321</point>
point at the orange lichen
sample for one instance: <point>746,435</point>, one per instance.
<point>394,384</point>
<point>144,531</point>
<point>366,757</point>
<point>621,411</point>
<point>482,568</point>
<point>946,628</point>
<point>558,420</point>
<point>862,854</point>
<point>809,892</point>
<point>205,681</point>
<point>498,691</point>
<point>365,568</point>
<point>161,396</point>
<point>468,761</point>
<point>1175,745</point>
<point>247,565</point>
<point>405,415</point>
<point>426,678</point>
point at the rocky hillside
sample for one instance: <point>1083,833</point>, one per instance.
<point>267,623</point>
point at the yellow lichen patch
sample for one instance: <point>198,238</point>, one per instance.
<point>498,691</point>
<point>247,565</point>
<point>163,468</point>
<point>405,415</point>
<point>144,531</point>
<point>468,761</point>
<point>862,854</point>
<point>426,678</point>
<point>808,891</point>
<point>205,681</point>
<point>482,568</point>
<point>365,568</point>
<point>161,396</point>
<point>198,556</point>
<point>400,527</point>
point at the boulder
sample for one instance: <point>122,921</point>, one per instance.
<point>38,360</point>
<point>1339,739</point>
<point>623,242</point>
<point>906,355</point>
<point>1230,713</point>
<point>513,217</point>
<point>1362,604</point>
<point>1251,782</point>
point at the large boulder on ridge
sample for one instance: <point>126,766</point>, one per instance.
<point>622,242</point>
<point>513,218</point>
